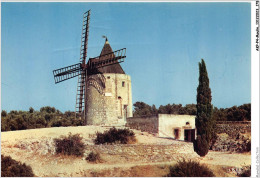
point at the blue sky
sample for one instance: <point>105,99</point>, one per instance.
<point>164,41</point>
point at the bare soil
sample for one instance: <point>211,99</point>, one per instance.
<point>20,145</point>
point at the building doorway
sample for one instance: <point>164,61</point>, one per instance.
<point>189,135</point>
<point>177,134</point>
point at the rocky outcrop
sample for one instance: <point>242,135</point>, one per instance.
<point>226,143</point>
<point>233,137</point>
<point>43,147</point>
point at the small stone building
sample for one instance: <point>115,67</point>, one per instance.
<point>108,94</point>
<point>179,127</point>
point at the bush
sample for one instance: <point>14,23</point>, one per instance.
<point>48,109</point>
<point>13,124</point>
<point>5,126</point>
<point>93,157</point>
<point>189,169</point>
<point>245,146</point>
<point>40,122</point>
<point>20,122</point>
<point>246,172</point>
<point>248,146</point>
<point>77,121</point>
<point>12,168</point>
<point>71,145</point>
<point>31,119</point>
<point>56,123</point>
<point>31,110</point>
<point>3,113</point>
<point>113,135</point>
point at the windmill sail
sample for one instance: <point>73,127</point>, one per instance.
<point>107,59</point>
<point>80,98</point>
<point>66,73</point>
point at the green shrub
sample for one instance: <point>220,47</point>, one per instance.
<point>94,157</point>
<point>13,112</point>
<point>48,109</point>
<point>21,123</point>
<point>246,172</point>
<point>248,146</point>
<point>77,121</point>
<point>13,124</point>
<point>31,110</point>
<point>5,126</point>
<point>40,122</point>
<point>3,113</point>
<point>71,145</point>
<point>189,169</point>
<point>12,168</point>
<point>245,146</point>
<point>113,135</point>
<point>56,123</point>
<point>31,119</point>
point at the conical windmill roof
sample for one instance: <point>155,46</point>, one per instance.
<point>115,68</point>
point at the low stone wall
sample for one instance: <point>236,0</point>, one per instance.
<point>233,129</point>
<point>145,124</point>
<point>133,150</point>
<point>151,153</point>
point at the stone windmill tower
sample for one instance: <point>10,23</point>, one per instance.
<point>111,102</point>
<point>104,94</point>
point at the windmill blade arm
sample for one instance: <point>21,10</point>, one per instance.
<point>108,59</point>
<point>84,36</point>
<point>66,73</point>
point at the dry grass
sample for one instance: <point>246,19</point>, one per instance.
<point>135,171</point>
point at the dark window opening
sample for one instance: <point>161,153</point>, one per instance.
<point>123,84</point>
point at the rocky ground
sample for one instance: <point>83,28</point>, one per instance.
<point>150,156</point>
<point>241,143</point>
<point>235,137</point>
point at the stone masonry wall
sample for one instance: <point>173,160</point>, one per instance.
<point>108,99</point>
<point>145,124</point>
<point>95,102</point>
<point>233,128</point>
<point>149,153</point>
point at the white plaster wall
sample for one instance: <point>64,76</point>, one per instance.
<point>168,122</point>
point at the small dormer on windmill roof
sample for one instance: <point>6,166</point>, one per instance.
<point>115,68</point>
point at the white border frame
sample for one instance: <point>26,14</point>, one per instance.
<point>254,71</point>
<point>254,95</point>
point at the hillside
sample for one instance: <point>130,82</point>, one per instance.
<point>149,157</point>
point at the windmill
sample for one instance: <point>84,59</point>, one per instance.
<point>83,68</point>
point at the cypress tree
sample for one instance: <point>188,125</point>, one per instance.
<point>204,121</point>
